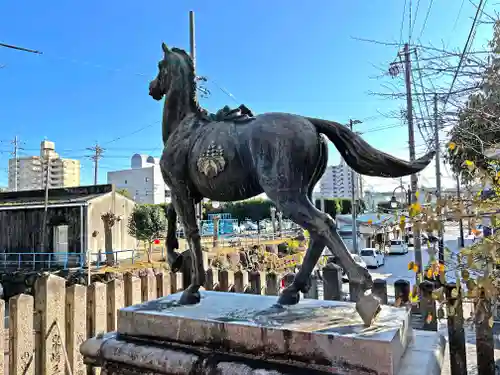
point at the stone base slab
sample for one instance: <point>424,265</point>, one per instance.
<point>116,356</point>
<point>316,334</point>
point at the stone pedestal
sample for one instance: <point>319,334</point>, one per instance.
<point>248,334</point>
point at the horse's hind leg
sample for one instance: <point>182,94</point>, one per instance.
<point>323,232</point>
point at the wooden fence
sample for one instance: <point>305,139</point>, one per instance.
<point>45,331</point>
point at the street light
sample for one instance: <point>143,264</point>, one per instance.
<point>394,203</point>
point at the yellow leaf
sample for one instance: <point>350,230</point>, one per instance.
<point>417,193</point>
<point>415,268</point>
<point>465,275</point>
<point>454,293</point>
<point>369,222</point>
<point>441,268</point>
<point>490,322</point>
<point>469,163</point>
<point>429,273</point>
<point>411,265</point>
<point>452,146</point>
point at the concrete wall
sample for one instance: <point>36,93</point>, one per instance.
<point>145,185</point>
<point>121,240</point>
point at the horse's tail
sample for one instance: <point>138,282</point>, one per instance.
<point>365,159</point>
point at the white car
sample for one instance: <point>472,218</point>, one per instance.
<point>357,259</point>
<point>372,257</point>
<point>398,247</point>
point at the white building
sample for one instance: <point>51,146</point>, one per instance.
<point>337,182</point>
<point>30,172</point>
<point>143,180</point>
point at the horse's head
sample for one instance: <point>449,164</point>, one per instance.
<point>175,73</point>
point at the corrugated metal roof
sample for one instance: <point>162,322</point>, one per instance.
<point>79,195</point>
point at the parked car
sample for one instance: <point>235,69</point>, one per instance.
<point>372,257</point>
<point>398,247</point>
<point>410,239</point>
<point>333,259</point>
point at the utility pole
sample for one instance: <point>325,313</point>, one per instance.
<point>192,53</point>
<point>46,201</point>
<point>438,178</point>
<point>98,151</point>
<point>411,142</point>
<point>353,201</point>
<point>15,143</point>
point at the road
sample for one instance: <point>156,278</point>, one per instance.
<point>396,266</point>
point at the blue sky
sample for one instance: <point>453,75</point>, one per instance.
<point>91,83</point>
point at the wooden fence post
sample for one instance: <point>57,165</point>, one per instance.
<point>226,280</point>
<point>313,292</point>
<point>402,291</point>
<point>148,287</point>
<point>355,291</point>
<point>21,345</point>
<point>332,282</point>
<point>379,289</point>
<point>162,284</point>
<point>96,313</point>
<point>240,281</point>
<point>116,300</point>
<point>176,282</point>
<point>272,287</point>
<point>212,279</point>
<point>428,306</point>
<point>288,279</point>
<point>132,287</point>
<point>76,326</point>
<point>456,333</point>
<point>485,346</point>
<point>50,303</point>
<point>257,282</point>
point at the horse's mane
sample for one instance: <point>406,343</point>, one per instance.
<point>191,76</point>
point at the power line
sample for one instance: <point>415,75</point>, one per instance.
<point>402,26</point>
<point>426,18</point>
<point>11,46</point>
<point>462,56</point>
<point>415,18</point>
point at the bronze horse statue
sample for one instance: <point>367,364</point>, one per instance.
<point>235,157</point>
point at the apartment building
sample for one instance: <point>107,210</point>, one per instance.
<point>143,181</point>
<point>337,182</point>
<point>30,172</point>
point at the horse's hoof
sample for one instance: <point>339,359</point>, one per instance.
<point>289,296</point>
<point>368,308</point>
<point>190,297</point>
<point>175,260</point>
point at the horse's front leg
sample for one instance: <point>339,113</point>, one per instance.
<point>185,208</point>
<point>174,259</point>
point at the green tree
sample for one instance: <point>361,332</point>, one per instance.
<point>147,223</point>
<point>253,209</point>
<point>124,192</point>
<point>478,128</point>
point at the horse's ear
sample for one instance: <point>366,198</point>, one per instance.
<point>165,48</point>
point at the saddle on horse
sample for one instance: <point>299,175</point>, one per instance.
<point>240,114</point>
